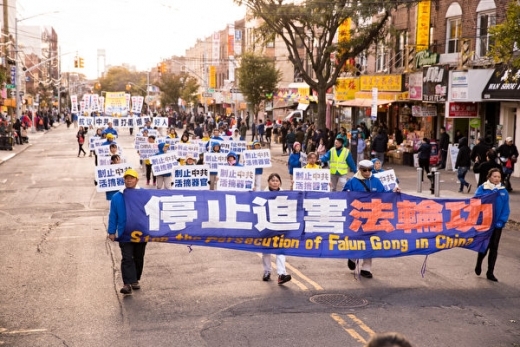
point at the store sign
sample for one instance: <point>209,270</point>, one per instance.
<point>424,58</point>
<point>435,83</point>
<point>346,88</point>
<point>462,110</point>
<point>424,111</point>
<point>459,85</point>
<point>504,84</point>
<point>422,37</point>
<point>383,83</point>
<point>415,86</point>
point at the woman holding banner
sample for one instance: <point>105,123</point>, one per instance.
<point>274,183</point>
<point>501,211</point>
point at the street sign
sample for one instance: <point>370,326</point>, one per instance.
<point>10,86</point>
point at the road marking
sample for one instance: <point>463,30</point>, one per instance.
<point>361,324</point>
<point>349,330</point>
<point>24,331</point>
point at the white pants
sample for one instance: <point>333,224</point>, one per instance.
<point>258,183</point>
<point>335,179</point>
<point>366,264</point>
<point>166,181</point>
<point>280,263</point>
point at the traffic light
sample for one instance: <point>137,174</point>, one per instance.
<point>465,53</point>
<point>81,63</point>
<point>162,67</point>
<point>76,63</point>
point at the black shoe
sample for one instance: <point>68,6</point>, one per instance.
<point>127,289</point>
<point>351,264</point>
<point>469,188</point>
<point>365,273</point>
<point>267,276</point>
<point>284,278</point>
<point>136,286</point>
<point>491,277</point>
<point>478,269</point>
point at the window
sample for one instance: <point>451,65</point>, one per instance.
<point>486,18</point>
<point>381,58</point>
<point>400,45</point>
<point>454,30</point>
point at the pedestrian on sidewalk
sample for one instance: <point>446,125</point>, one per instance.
<point>463,163</point>
<point>444,143</point>
<point>274,183</point>
<point>501,212</point>
<point>424,153</point>
<point>132,253</point>
<point>80,135</point>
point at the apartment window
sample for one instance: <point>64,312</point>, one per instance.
<point>270,44</point>
<point>381,58</point>
<point>400,46</point>
<point>486,18</point>
<point>453,28</point>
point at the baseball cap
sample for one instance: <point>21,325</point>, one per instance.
<point>109,136</point>
<point>131,172</point>
<point>366,164</point>
<point>509,139</point>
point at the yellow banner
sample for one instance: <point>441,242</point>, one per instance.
<point>384,83</point>
<point>422,39</point>
<point>115,104</point>
<point>346,88</point>
<point>383,96</point>
<point>212,76</point>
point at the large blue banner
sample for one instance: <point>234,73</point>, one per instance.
<point>309,224</point>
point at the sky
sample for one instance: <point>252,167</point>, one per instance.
<point>135,32</point>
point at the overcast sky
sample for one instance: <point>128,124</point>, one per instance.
<point>137,32</point>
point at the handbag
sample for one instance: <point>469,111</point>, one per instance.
<point>81,140</point>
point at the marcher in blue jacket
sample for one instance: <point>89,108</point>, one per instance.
<point>132,253</point>
<point>364,181</point>
<point>501,212</point>
<point>294,158</point>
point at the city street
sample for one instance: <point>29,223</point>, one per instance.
<point>60,276</point>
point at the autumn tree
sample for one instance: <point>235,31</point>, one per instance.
<point>117,78</point>
<point>258,77</point>
<point>175,86</point>
<point>309,29</point>
<point>504,45</point>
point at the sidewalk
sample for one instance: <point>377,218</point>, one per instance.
<point>17,149</point>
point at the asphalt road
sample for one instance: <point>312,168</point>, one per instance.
<point>60,277</point>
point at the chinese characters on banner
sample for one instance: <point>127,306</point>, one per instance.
<point>192,177</point>
<point>257,158</point>
<point>235,178</point>
<point>311,180</point>
<point>110,177</point>
<point>388,179</point>
<point>163,164</point>
<point>310,224</point>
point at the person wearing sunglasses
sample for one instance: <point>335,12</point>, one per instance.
<point>364,181</point>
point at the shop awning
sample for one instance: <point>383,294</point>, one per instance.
<point>363,102</point>
<point>302,106</point>
<point>502,85</point>
<point>298,85</point>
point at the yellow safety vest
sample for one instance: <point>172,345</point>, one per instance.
<point>338,164</point>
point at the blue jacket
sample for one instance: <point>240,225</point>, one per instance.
<point>373,183</point>
<point>117,215</point>
<point>110,131</point>
<point>501,204</point>
<point>294,162</point>
<point>350,161</point>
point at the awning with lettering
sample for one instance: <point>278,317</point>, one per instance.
<point>503,85</point>
<point>362,102</point>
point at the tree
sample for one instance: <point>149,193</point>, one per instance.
<point>308,30</point>
<point>175,86</point>
<point>258,77</point>
<point>504,43</point>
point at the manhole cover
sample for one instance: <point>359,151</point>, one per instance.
<point>338,300</point>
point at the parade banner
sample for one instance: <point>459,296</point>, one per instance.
<point>183,149</point>
<point>311,180</point>
<point>191,177</point>
<point>117,122</point>
<point>388,179</point>
<point>116,104</point>
<point>163,164</point>
<point>353,225</point>
<point>235,178</point>
<point>104,161</point>
<point>214,160</point>
<point>256,158</point>
<point>110,177</point>
<point>104,150</point>
<point>160,122</point>
<point>94,142</point>
<point>146,150</point>
<point>74,104</point>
